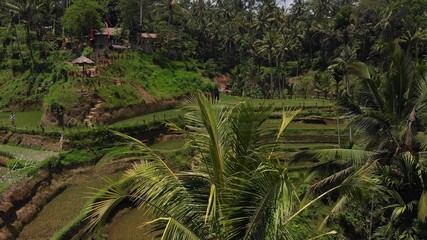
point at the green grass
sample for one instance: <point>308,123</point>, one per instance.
<point>27,154</point>
<point>293,147</point>
<point>23,120</point>
<point>165,81</point>
<point>63,94</point>
<point>295,102</point>
<point>4,179</point>
<point>151,117</point>
<point>8,178</point>
<point>116,96</point>
<point>111,153</point>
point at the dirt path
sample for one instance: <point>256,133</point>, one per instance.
<point>145,95</point>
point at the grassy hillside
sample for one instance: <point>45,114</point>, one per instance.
<point>156,74</point>
<point>50,84</point>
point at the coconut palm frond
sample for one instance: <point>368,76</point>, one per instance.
<point>333,232</point>
<point>422,207</point>
<point>245,124</point>
<point>402,209</point>
<point>332,180</point>
<point>161,194</point>
<point>359,69</point>
<point>211,211</point>
<point>357,185</point>
<point>347,106</point>
<point>373,125</point>
<point>341,156</point>
<point>174,229</point>
<point>150,182</point>
<point>338,207</point>
<point>132,185</point>
<point>105,201</point>
<point>362,183</point>
<point>146,184</point>
<point>209,127</point>
<point>148,153</point>
<point>10,7</point>
<point>271,196</point>
<point>287,118</point>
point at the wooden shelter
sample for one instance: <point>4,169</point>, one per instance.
<point>148,40</point>
<point>82,61</point>
<point>107,37</point>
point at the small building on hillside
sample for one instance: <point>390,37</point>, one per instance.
<point>148,41</point>
<point>117,48</point>
<point>107,37</point>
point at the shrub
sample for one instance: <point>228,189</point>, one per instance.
<point>76,157</point>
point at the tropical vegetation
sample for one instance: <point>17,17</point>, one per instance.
<point>354,64</point>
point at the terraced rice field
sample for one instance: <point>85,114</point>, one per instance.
<point>157,116</point>
<point>23,120</point>
<point>27,153</point>
<point>62,210</point>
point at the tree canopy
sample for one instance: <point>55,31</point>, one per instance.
<point>81,16</point>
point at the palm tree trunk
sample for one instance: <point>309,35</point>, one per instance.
<point>17,43</point>
<point>271,76</point>
<point>30,49</point>
<point>280,81</point>
<point>336,89</point>
<point>338,130</point>
<point>347,81</point>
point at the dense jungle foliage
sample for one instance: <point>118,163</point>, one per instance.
<point>369,56</point>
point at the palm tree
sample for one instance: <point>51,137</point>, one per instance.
<point>24,11</point>
<point>393,103</point>
<point>407,208</point>
<point>237,189</point>
<point>322,83</point>
<point>268,48</point>
<point>391,118</point>
<point>235,192</point>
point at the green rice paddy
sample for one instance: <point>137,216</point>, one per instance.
<point>63,209</point>
<point>23,120</point>
<point>27,153</point>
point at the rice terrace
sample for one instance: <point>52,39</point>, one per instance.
<point>237,119</point>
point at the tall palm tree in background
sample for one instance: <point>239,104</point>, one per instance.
<point>24,11</point>
<point>237,189</point>
<point>268,47</point>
